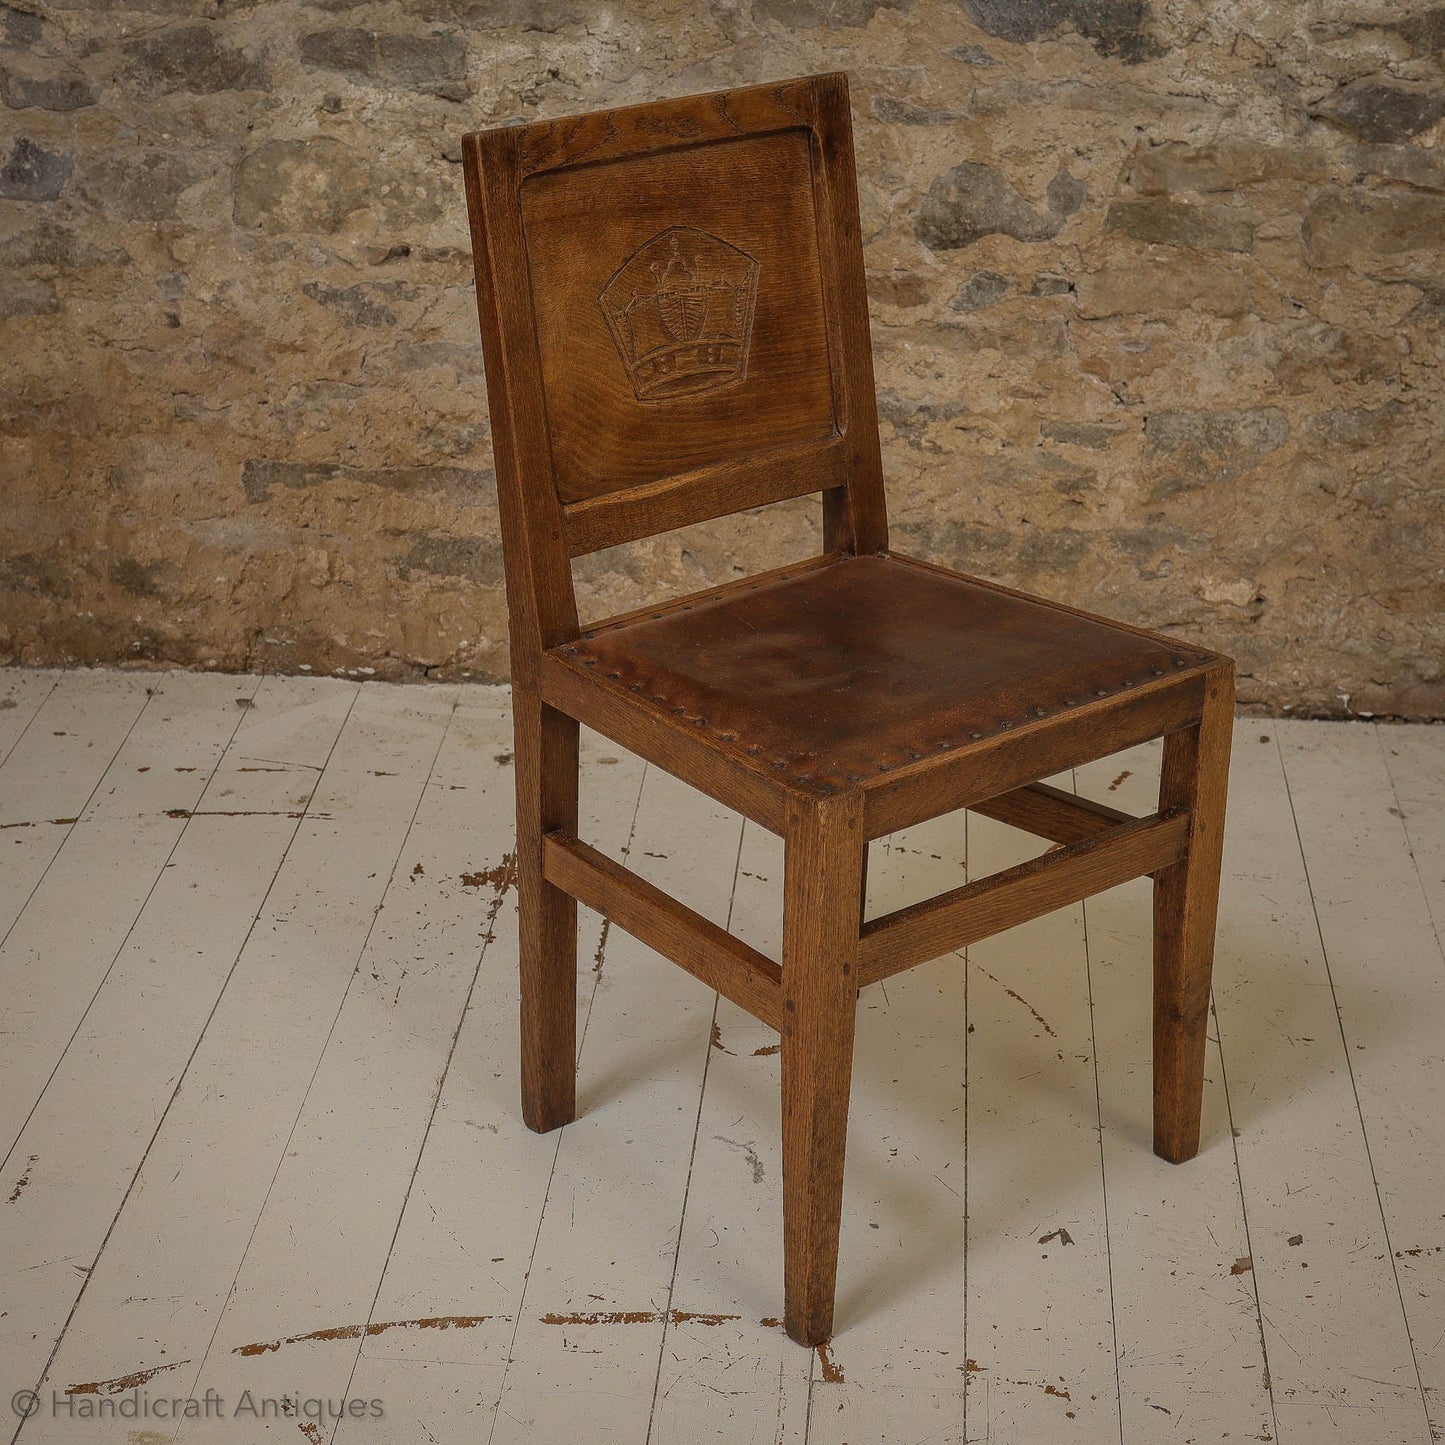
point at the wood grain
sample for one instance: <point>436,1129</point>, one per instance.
<point>546,743</point>
<point>662,214</point>
<point>1194,777</point>
<point>675,327</point>
<point>977,910</point>
<point>1051,813</point>
<point>1014,759</point>
<point>822,903</point>
<point>715,491</point>
<point>706,951</point>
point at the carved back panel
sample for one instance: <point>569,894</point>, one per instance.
<point>674,323</point>
<point>679,310</point>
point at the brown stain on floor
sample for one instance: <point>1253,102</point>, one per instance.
<point>499,878</point>
<point>1019,998</point>
<point>123,1383</point>
<point>58,822</point>
<point>312,1431</point>
<point>1125,774</point>
<point>358,1332</point>
<point>832,1371</point>
<point>972,1367</point>
<point>637,1317</point>
<point>24,1179</point>
<point>1242,1265</point>
<point>757,1054</point>
<point>241,813</point>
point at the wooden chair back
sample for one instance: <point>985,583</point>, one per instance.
<point>674,326</point>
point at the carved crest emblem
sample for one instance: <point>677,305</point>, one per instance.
<point>681,314</point>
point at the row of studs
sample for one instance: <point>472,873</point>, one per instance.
<point>914,756</point>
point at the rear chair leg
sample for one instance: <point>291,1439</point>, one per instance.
<point>546,766</point>
<point>822,906</point>
<point>1195,776</point>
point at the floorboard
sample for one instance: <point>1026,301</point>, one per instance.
<point>600,1287</point>
<point>113,1085</point>
<point>1386,973</point>
<point>159,1288</point>
<point>1040,1330</point>
<point>258,942</point>
<point>74,924</point>
<point>53,769</point>
<point>899,1362</point>
<point>459,1267</point>
<point>726,1370</point>
<point>22,694</point>
<point>1192,1363</point>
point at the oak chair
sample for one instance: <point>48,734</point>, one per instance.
<point>675,328</point>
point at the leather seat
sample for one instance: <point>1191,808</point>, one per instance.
<point>829,673</point>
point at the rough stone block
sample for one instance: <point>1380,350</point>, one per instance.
<point>33,173</point>
<point>983,288</point>
<point>1381,113</point>
<point>1152,289</point>
<point>140,186</point>
<point>22,27</point>
<point>300,185</point>
<point>973,201</point>
<point>1180,223</point>
<point>191,58</point>
<point>1396,233</point>
<point>1116,27</point>
<point>22,297</point>
<point>431,64</point>
<point>60,92</point>
<point>1193,449</point>
<point>1223,166</point>
<point>831,14</point>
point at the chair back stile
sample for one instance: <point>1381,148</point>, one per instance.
<point>674,328</point>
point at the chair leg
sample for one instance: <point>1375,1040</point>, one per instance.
<point>546,766</point>
<point>1195,777</point>
<point>822,904</point>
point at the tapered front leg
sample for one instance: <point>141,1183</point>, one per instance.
<point>1195,776</point>
<point>546,776</point>
<point>822,907</point>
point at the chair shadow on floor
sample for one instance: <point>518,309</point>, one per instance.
<point>1268,969</point>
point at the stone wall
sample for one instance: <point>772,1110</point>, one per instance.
<point>1157,292</point>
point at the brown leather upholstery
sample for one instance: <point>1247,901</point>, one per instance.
<point>828,675</point>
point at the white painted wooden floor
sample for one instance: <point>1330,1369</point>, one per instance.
<point>258,1091</point>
